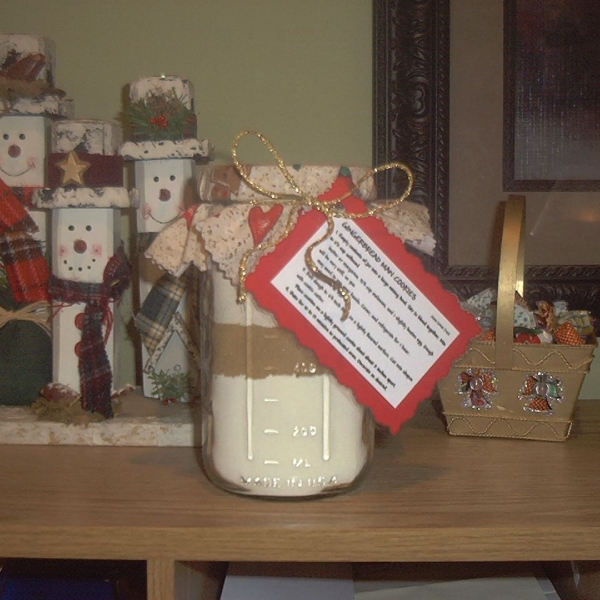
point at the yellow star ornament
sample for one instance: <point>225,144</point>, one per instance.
<point>73,169</point>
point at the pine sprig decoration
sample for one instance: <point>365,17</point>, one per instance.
<point>170,387</point>
<point>161,116</point>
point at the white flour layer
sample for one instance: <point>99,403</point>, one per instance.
<point>283,435</point>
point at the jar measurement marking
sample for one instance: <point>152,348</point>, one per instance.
<point>273,426</point>
<point>326,415</point>
<point>249,382</point>
<point>249,416</point>
<point>302,431</point>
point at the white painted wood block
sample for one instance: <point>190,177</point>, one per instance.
<point>89,136</point>
<point>23,148</point>
<point>152,150</point>
<point>162,185</point>
<point>138,421</point>
<point>85,198</point>
<point>14,47</point>
<point>146,86</point>
<point>53,104</point>
<point>83,240</point>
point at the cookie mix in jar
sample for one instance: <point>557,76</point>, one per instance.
<point>276,422</point>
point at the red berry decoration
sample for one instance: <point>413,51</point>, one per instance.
<point>161,121</point>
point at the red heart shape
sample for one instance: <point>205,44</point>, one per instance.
<point>262,222</point>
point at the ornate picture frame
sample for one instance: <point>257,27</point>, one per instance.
<point>411,104</point>
<point>551,95</point>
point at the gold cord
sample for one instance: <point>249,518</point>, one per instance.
<point>300,200</point>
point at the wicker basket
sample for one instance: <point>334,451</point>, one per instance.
<point>524,391</point>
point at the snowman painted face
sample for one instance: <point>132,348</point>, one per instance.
<point>162,186</point>
<point>22,150</point>
<point>83,242</point>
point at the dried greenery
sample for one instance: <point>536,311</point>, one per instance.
<point>161,116</point>
<point>170,387</point>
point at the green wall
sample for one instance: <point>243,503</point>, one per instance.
<point>299,72</point>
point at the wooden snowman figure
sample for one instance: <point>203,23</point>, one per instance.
<point>29,102</point>
<point>164,151</point>
<point>90,271</point>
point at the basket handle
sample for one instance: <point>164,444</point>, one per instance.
<point>510,277</point>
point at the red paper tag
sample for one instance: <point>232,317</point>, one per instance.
<point>404,329</point>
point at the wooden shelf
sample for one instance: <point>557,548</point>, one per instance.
<point>428,497</point>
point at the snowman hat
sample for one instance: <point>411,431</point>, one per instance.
<point>162,121</point>
<point>27,78</point>
<point>84,170</point>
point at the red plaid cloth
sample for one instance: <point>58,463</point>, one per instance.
<point>95,374</point>
<point>26,267</point>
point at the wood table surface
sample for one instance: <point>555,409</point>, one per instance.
<point>427,497</point>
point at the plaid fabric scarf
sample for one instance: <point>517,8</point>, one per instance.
<point>154,317</point>
<point>25,196</point>
<point>95,373</point>
<point>23,259</point>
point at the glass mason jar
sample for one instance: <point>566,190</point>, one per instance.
<point>275,422</point>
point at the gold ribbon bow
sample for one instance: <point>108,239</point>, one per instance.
<point>36,312</point>
<point>298,200</point>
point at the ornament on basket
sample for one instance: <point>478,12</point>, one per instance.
<point>478,386</point>
<point>90,271</point>
<point>164,152</point>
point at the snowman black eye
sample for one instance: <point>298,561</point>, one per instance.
<point>71,228</point>
<point>156,179</point>
<point>88,227</point>
<point>172,178</point>
<point>6,136</point>
<point>22,136</point>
